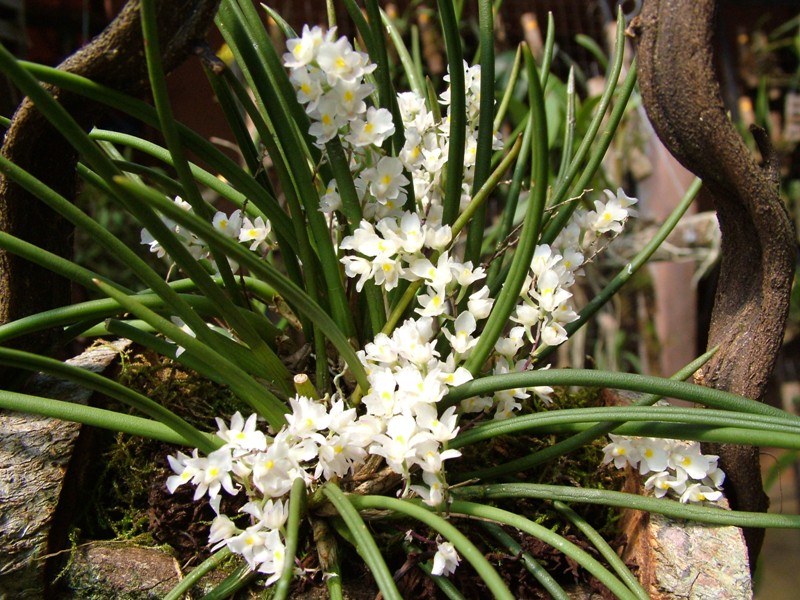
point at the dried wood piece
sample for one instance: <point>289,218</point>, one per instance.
<point>34,454</point>
<point>681,95</point>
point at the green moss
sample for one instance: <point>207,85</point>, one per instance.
<point>119,505</point>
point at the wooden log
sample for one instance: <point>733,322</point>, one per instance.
<point>35,453</point>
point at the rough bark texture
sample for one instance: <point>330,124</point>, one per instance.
<point>682,560</point>
<point>115,59</point>
<point>682,98</point>
<point>35,453</point>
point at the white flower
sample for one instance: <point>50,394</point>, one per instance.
<point>338,454</point>
<point>653,454</point>
<point>350,97</point>
<point>666,481</point>
<point>621,451</point>
<point>549,293</point>
<point>697,492</point>
<point>438,238</point>
<point>222,529</point>
<point>302,50</point>
<point>461,340</point>
<point>443,428</point>
<point>691,459</point>
<point>435,276</point>
<point>373,130</point>
<point>228,225</point>
<point>242,435</point>
<point>255,232</point>
<point>327,120</point>
<point>155,246</point>
<point>330,200</point>
<point>610,216</point>
<point>340,62</point>
<point>508,346</point>
<point>213,473</point>
<point>251,545</point>
<point>307,417</point>
<point>553,333</point>
<point>476,404</point>
<point>544,259</point>
<point>445,560</point>
<point>381,349</point>
<point>433,494</point>
<point>269,514</point>
<point>386,271</point>
<point>412,234</point>
<point>308,86</point>
<point>184,471</point>
<point>527,315</point>
<point>272,470</point>
<point>273,557</point>
<point>357,266</point>
<point>480,304</point>
<point>431,304</point>
<point>386,179</point>
<point>399,442</point>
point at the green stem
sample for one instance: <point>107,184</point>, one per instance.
<point>556,224</point>
<point>457,113</point>
<point>622,381</point>
<point>483,152</point>
<point>539,422</point>
<point>415,80</point>
<point>227,588</point>
<point>509,295</point>
<point>481,511</point>
<point>510,209</point>
<point>508,94</point>
<point>365,542</point>
<point>93,381</point>
<point>605,550</point>
<point>259,397</point>
<point>297,508</point>
<point>463,545</point>
<point>549,46</point>
<point>612,77</point>
<point>531,564</point>
<point>102,418</point>
<point>712,515</point>
<point>196,574</point>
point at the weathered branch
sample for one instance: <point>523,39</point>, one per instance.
<point>115,59</point>
<point>681,95</point>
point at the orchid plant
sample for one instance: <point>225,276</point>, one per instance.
<point>424,319</point>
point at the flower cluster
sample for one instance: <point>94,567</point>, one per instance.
<point>675,467</point>
<point>236,226</point>
<point>410,370</point>
<point>427,143</point>
<point>328,75</point>
<point>320,442</point>
<point>546,300</point>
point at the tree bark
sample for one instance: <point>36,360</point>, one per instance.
<point>114,58</point>
<point>682,97</point>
